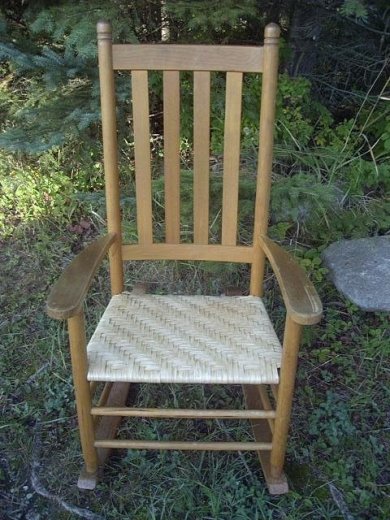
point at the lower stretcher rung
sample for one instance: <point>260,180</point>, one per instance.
<point>183,413</point>
<point>176,445</point>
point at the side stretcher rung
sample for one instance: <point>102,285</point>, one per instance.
<point>184,413</point>
<point>175,445</point>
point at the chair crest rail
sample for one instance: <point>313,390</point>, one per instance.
<point>226,58</point>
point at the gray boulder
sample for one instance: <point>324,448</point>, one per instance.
<point>360,269</point>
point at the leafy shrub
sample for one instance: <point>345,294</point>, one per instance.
<point>29,192</point>
<point>331,422</point>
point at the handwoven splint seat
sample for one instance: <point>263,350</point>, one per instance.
<point>184,339</point>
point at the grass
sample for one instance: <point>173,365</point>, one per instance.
<point>339,443</point>
<point>336,460</point>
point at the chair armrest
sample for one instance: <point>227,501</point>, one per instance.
<point>67,296</point>
<point>300,297</point>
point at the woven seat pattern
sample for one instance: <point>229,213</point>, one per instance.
<point>184,339</point>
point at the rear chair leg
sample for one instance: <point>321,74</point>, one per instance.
<point>77,339</point>
<point>257,399</point>
<point>291,341</point>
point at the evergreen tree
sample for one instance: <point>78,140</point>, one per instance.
<point>48,51</point>
<point>49,57</point>
<point>49,92</point>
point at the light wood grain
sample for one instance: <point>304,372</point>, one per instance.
<point>266,139</point>
<point>171,86</point>
<point>108,426</point>
<point>302,302</point>
<point>114,395</point>
<point>92,387</point>
<point>143,176</point>
<point>78,354</point>
<point>183,413</point>
<point>188,252</point>
<point>291,341</point>
<point>188,445</point>
<point>231,158</point>
<point>105,393</point>
<point>266,403</point>
<point>188,57</point>
<point>110,152</point>
<point>87,481</point>
<point>300,297</point>
<point>262,433</point>
<point>201,156</point>
<point>275,390</point>
<point>67,295</point>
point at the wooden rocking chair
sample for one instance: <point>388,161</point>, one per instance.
<point>186,339</point>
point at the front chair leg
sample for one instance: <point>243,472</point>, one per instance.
<point>291,342</point>
<point>78,352</point>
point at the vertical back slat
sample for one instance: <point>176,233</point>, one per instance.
<point>171,100</point>
<point>231,159</point>
<point>143,177</point>
<point>201,156</point>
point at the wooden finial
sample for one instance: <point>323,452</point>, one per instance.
<point>103,29</point>
<point>271,33</point>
